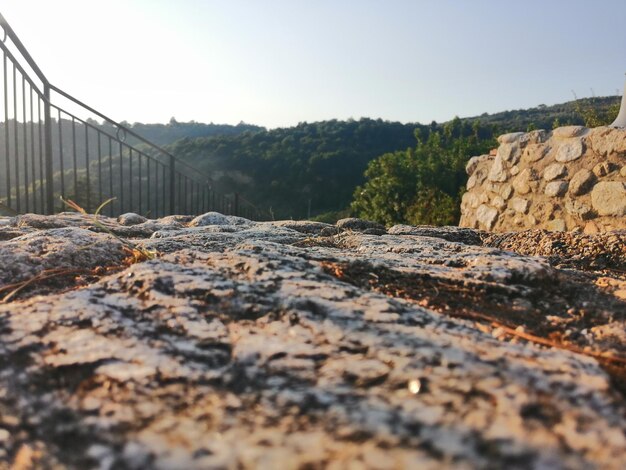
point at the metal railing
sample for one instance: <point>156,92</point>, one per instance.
<point>50,150</point>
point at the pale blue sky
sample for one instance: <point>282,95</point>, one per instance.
<point>280,62</point>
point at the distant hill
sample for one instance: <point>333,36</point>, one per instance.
<point>318,165</point>
<point>288,170</point>
<point>162,134</point>
<point>314,168</point>
<point>544,117</point>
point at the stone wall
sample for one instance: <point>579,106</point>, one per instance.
<point>572,178</point>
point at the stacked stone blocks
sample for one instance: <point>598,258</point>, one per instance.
<point>572,178</point>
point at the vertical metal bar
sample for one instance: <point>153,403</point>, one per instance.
<point>181,201</point>
<point>41,169</point>
<point>192,209</point>
<point>110,175</point>
<point>156,189</point>
<point>199,195</point>
<point>164,192</point>
<point>48,152</point>
<point>121,180</point>
<point>172,185</point>
<point>61,156</point>
<point>130,179</point>
<point>139,169</point>
<point>25,142</point>
<point>15,139</point>
<point>236,208</point>
<point>74,157</point>
<point>189,195</point>
<point>32,152</point>
<point>99,168</point>
<point>180,207</point>
<point>187,192</point>
<point>87,167</point>
<point>148,184</point>
<point>198,198</point>
<point>7,148</point>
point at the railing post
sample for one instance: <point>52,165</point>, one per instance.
<point>236,208</point>
<point>172,185</point>
<point>48,150</point>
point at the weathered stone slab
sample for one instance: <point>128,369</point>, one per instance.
<point>475,162</point>
<point>521,183</point>
<point>556,188</point>
<point>578,209</point>
<point>498,172</point>
<point>359,225</point>
<point>607,140</point>
<point>486,216</point>
<point>509,153</point>
<point>130,218</point>
<point>69,248</point>
<point>519,204</point>
<point>269,345</point>
<point>556,225</point>
<point>609,198</point>
<point>604,168</point>
<point>554,171</point>
<point>569,150</point>
<point>567,132</point>
<point>215,218</point>
<point>535,152</point>
<point>581,182</point>
<point>510,138</point>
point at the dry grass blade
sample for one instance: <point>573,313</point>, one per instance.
<point>17,287</point>
<point>538,339</point>
<point>137,253</point>
<point>426,292</point>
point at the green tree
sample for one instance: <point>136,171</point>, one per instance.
<point>432,206</point>
<point>421,185</point>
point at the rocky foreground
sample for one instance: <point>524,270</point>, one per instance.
<point>222,343</point>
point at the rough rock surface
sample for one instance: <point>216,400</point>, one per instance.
<point>305,345</point>
<point>572,178</point>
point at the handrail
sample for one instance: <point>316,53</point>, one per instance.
<point>146,178</point>
<point>126,129</point>
<point>31,62</point>
<point>19,67</point>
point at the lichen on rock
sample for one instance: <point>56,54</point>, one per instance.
<point>305,345</point>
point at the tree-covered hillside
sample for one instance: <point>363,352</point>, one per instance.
<point>314,168</point>
<point>288,170</point>
<point>585,111</point>
<point>424,185</point>
<point>163,134</point>
<point>405,172</point>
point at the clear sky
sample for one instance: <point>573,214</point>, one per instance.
<point>279,62</point>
